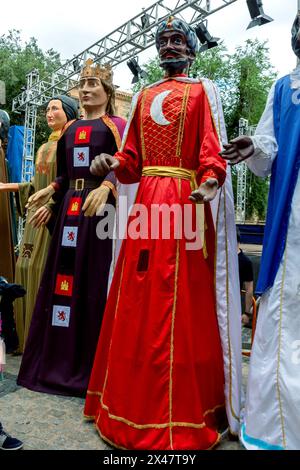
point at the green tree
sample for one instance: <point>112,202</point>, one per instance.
<point>16,60</point>
<point>252,77</point>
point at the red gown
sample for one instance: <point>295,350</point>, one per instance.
<point>157,380</point>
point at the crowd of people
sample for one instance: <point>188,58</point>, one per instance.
<point>147,327</point>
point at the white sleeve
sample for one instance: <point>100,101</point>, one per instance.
<point>264,141</point>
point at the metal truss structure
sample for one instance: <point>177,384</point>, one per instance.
<point>127,41</point>
<point>242,171</point>
<point>29,135</point>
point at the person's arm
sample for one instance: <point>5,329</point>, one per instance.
<point>264,141</point>
<point>248,286</point>
<point>22,191</point>
<point>9,187</point>
<point>260,150</point>
<point>212,167</point>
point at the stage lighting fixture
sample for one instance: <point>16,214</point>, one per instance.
<point>206,39</point>
<point>145,20</point>
<point>257,14</point>
<point>75,64</point>
<point>136,70</point>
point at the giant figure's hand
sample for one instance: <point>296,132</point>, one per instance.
<point>41,217</point>
<point>238,149</point>
<point>103,164</point>
<point>95,201</point>
<point>40,198</point>
<point>206,192</point>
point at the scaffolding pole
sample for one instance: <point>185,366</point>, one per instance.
<point>29,141</point>
<point>241,179</point>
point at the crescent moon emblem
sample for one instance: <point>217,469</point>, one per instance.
<point>156,111</point>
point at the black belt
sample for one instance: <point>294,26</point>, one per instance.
<point>82,183</point>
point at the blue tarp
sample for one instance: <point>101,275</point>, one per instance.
<point>14,152</point>
<point>251,234</point>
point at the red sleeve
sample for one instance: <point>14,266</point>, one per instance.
<point>211,165</point>
<point>130,169</point>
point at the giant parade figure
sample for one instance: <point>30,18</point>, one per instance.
<point>272,417</point>
<point>61,111</point>
<point>67,317</point>
<point>167,367</point>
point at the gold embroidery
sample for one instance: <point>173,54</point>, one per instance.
<point>169,425</point>
<point>172,342</point>
<point>74,207</point>
<point>27,250</point>
<point>182,119</point>
<point>213,409</point>
<point>111,443</point>
<point>82,135</point>
<point>215,443</point>
<point>115,131</point>
<point>89,392</point>
<point>64,286</point>
<point>89,418</point>
<point>142,127</point>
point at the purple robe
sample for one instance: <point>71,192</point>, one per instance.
<point>67,317</point>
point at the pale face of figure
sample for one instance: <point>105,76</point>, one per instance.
<point>55,115</point>
<point>92,94</point>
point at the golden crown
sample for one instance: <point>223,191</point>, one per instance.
<point>97,71</point>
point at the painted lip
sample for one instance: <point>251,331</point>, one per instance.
<point>170,55</point>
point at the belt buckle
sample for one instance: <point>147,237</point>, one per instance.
<point>79,184</point>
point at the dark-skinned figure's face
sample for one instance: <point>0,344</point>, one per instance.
<point>296,36</point>
<point>173,52</point>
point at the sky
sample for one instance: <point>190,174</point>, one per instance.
<point>69,27</point>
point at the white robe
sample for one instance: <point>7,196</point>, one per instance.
<point>272,413</point>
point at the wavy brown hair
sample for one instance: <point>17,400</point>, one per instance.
<point>111,96</point>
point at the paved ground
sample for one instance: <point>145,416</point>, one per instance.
<point>52,422</point>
